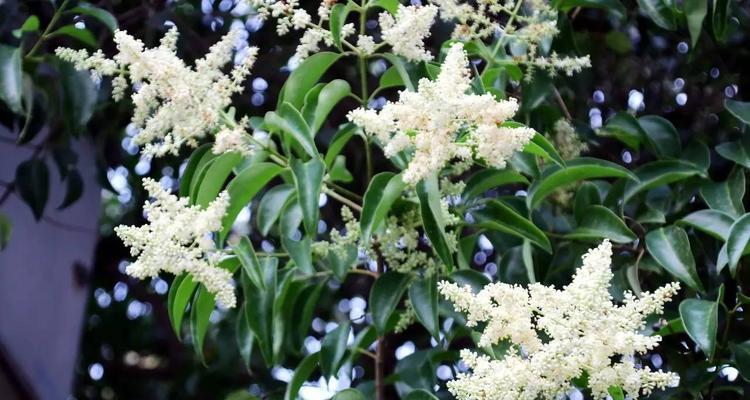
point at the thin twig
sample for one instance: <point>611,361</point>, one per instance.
<point>343,199</point>
<point>561,103</point>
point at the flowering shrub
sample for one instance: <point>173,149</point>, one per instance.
<point>603,269</point>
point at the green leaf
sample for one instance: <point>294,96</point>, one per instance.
<point>695,12</point>
<point>270,206</point>
<point>498,216</point>
<point>6,227</point>
<point>670,247</point>
<point>350,394</point>
<point>741,110</point>
<point>741,357</point>
<point>259,306</point>
<point>737,241</point>
<point>616,393</point>
<point>586,196</point>
<point>726,196</point>
<point>598,223</point>
<point>303,371</point>
<point>540,146</point>
<point>665,141</point>
<point>200,156</point>
<point>32,184</point>
<point>333,349</point>
<point>722,12</point>
<point>431,211</point>
<point>305,77</point>
<point>180,294</point>
<point>487,179</point>
<point>308,179</point>
<point>245,337</point>
<point>74,189</point>
<point>242,188</point>
<point>11,78</point>
<point>390,79</point>
<point>246,254</point>
<point>660,11</point>
<point>383,190</point>
<point>203,305</point>
<point>78,97</point>
<point>613,6</point>
<point>339,140</point>
<point>400,66</point>
<point>289,121</point>
<point>625,127</point>
<point>471,277</point>
<point>97,13</point>
<point>30,25</point>
<point>83,35</point>
<point>424,298</point>
<point>701,320</point>
<point>291,218</point>
<point>332,93</point>
<point>300,251</point>
<point>737,151</point>
<point>213,176</point>
<point>338,171</point>
<point>713,222</point>
<point>658,173</point>
<point>338,15</point>
<point>340,262</point>
<point>578,169</point>
<point>384,297</point>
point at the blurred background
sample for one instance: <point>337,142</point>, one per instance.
<point>73,325</point>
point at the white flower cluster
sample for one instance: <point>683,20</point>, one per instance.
<point>177,239</point>
<point>175,104</point>
<point>406,33</point>
<point>233,139</point>
<point>440,122</point>
<point>559,335</point>
<point>528,24</point>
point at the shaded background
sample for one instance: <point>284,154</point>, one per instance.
<point>73,324</point>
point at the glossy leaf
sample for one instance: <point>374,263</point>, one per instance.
<point>670,247</point>
<point>30,25</point>
<point>741,356</point>
<point>383,190</point>
<point>578,169</point>
<point>337,143</point>
<point>339,12</point>
<point>498,216</point>
<point>349,394</point>
<point>598,223</point>
<point>586,196</point>
<point>726,196</point>
<point>695,13</point>
<point>250,265</point>
<point>11,78</point>
<point>487,179</point>
<point>303,371</point>
<point>737,241</point>
<point>424,298</point>
<point>308,179</point>
<point>431,211</point>
<point>720,15</point>
<point>300,251</point>
<point>242,188</point>
<point>200,156</point>
<point>713,222</point>
<point>613,6</point>
<point>626,128</point>
<point>245,337</point>
<point>302,79</point>
<point>338,171</point>
<point>616,393</point>
<point>660,11</point>
<point>289,121</point>
<point>737,151</point>
<point>540,146</point>
<point>420,394</point>
<point>700,319</point>
<point>384,297</point>
<point>213,176</point>
<point>331,94</point>
<point>259,307</point>
<point>658,173</point>
<point>270,206</point>
<point>32,184</point>
<point>97,13</point>
<point>661,133</point>
<point>83,35</point>
<point>400,66</point>
<point>333,349</point>
<point>78,97</point>
<point>200,312</point>
<point>179,297</point>
<point>6,227</point>
<point>741,110</point>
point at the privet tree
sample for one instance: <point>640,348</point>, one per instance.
<point>598,263</point>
